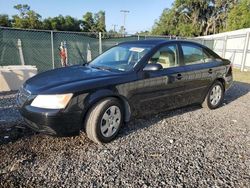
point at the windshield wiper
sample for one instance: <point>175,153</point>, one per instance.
<point>85,63</point>
<point>102,67</point>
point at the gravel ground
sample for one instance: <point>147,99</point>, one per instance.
<point>189,147</point>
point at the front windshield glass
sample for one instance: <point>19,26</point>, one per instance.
<point>122,58</point>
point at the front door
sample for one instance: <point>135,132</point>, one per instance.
<point>162,89</point>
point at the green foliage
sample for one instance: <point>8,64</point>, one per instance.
<point>72,24</point>
<point>100,21</point>
<point>88,22</point>
<point>4,20</point>
<point>239,16</point>
<point>194,17</point>
<point>27,18</point>
<point>94,23</point>
<point>61,23</point>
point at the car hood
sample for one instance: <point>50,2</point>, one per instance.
<point>67,79</point>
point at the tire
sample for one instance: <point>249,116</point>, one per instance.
<point>103,122</point>
<point>214,96</point>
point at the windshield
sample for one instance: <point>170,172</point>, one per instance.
<point>122,58</point>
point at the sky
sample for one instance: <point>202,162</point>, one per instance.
<point>141,17</point>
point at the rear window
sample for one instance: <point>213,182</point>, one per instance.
<point>195,54</point>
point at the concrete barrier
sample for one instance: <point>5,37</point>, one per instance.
<point>12,77</point>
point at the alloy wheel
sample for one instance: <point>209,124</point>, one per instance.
<point>110,121</point>
<point>215,95</point>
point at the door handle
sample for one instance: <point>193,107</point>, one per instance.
<point>210,71</point>
<point>179,77</point>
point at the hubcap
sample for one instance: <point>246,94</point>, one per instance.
<point>110,121</point>
<point>215,95</point>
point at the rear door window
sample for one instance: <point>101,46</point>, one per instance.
<point>194,54</point>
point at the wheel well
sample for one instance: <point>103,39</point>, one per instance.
<point>222,81</point>
<point>124,102</point>
<point>126,107</point>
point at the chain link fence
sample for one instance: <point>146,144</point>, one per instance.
<point>41,48</point>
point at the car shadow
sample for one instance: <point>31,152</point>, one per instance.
<point>137,124</point>
<point>12,126</point>
<point>13,131</point>
<point>237,90</point>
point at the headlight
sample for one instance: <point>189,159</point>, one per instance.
<point>52,101</point>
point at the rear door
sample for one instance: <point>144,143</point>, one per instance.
<point>161,89</point>
<point>200,68</point>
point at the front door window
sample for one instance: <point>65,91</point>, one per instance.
<point>166,56</point>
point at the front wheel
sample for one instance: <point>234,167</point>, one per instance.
<point>215,96</point>
<point>104,120</point>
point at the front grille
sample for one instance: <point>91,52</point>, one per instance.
<point>22,96</point>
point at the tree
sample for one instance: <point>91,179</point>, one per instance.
<point>167,23</point>
<point>99,20</point>
<point>61,23</point>
<point>88,22</point>
<point>4,20</point>
<point>194,17</point>
<point>26,18</point>
<point>72,24</point>
<point>47,24</point>
<point>94,23</point>
<point>239,16</point>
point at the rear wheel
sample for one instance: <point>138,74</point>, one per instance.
<point>215,96</point>
<point>104,120</point>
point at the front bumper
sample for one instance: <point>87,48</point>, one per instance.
<point>53,122</point>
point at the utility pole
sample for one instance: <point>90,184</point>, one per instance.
<point>114,26</point>
<point>125,12</point>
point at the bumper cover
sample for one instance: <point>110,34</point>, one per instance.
<point>53,122</point>
<point>228,82</point>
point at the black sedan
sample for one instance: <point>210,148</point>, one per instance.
<point>129,80</point>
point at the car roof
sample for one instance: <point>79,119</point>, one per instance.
<point>156,42</point>
<point>145,42</point>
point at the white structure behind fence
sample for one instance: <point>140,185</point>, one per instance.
<point>233,45</point>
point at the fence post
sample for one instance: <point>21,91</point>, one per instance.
<point>100,42</point>
<point>224,47</point>
<point>244,58</point>
<point>20,49</point>
<point>66,52</point>
<point>138,37</point>
<point>52,49</point>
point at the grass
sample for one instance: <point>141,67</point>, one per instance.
<point>241,76</point>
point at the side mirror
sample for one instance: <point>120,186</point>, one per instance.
<point>153,67</point>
